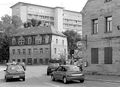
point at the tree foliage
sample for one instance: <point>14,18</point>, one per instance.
<point>72,38</point>
<point>8,26</point>
<point>33,23</point>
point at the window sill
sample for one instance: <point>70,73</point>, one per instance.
<point>94,33</point>
<point>108,32</point>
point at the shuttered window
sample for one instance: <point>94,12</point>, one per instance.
<point>94,55</point>
<point>108,55</point>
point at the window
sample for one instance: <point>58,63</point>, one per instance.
<point>19,51</point>
<point>23,60</point>
<point>38,39</point>
<point>35,50</point>
<point>29,40</point>
<point>24,51</point>
<point>55,50</point>
<point>108,0</point>
<point>13,59</point>
<point>18,60</point>
<point>13,51</point>
<point>56,41</point>
<point>21,41</point>
<point>41,61</point>
<point>46,37</point>
<point>29,51</point>
<point>94,55</point>
<point>46,50</point>
<point>13,41</point>
<point>108,24</point>
<point>35,61</point>
<point>65,51</point>
<point>108,55</point>
<point>95,26</point>
<point>63,42</point>
<point>41,50</point>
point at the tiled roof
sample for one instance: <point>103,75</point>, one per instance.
<point>38,30</point>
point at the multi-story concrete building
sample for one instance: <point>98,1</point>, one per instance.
<point>58,17</point>
<point>101,24</point>
<point>37,45</point>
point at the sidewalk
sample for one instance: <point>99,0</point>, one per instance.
<point>103,78</point>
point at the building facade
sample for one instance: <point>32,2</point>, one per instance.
<point>101,24</point>
<point>37,45</point>
<point>58,17</point>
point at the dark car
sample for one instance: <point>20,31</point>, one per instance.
<point>51,67</point>
<point>68,73</point>
<point>14,71</point>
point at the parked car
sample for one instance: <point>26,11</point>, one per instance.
<point>68,73</point>
<point>14,71</point>
<point>51,67</point>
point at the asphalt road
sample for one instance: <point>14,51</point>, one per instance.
<point>36,77</point>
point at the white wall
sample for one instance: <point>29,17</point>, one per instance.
<point>59,46</point>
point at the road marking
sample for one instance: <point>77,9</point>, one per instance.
<point>53,85</point>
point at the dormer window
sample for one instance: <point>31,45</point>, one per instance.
<point>21,41</point>
<point>29,40</point>
<point>46,38</point>
<point>13,41</point>
<point>108,0</point>
<point>38,39</point>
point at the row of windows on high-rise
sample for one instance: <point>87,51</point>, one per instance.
<point>36,16</point>
<point>71,25</point>
<point>72,20</point>
<point>108,25</point>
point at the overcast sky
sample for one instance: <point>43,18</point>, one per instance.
<point>74,5</point>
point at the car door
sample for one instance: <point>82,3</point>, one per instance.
<point>57,72</point>
<point>62,73</point>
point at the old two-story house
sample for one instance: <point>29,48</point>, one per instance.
<point>37,45</point>
<point>101,24</point>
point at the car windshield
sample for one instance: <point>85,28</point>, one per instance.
<point>72,68</point>
<point>15,68</point>
<point>54,64</point>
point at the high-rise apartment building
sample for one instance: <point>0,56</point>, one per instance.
<point>58,17</point>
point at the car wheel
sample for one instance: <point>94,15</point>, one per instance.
<point>52,78</point>
<point>64,80</point>
<point>23,79</point>
<point>82,80</point>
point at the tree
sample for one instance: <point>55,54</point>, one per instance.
<point>34,22</point>
<point>9,26</point>
<point>72,38</point>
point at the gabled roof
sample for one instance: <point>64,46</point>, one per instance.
<point>38,30</point>
<point>85,5</point>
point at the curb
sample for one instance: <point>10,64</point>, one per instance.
<point>101,80</point>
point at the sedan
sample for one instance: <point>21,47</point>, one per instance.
<point>68,73</point>
<point>14,71</point>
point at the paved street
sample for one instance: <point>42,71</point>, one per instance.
<point>36,77</point>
